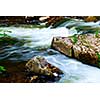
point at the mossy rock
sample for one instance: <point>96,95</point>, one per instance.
<point>83,47</point>
<point>7,40</point>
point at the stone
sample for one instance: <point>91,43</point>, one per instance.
<point>84,47</point>
<point>40,66</point>
<point>63,45</point>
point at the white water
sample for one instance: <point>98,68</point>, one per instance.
<point>74,71</point>
<point>37,37</point>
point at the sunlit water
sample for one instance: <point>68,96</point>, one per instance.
<point>38,42</point>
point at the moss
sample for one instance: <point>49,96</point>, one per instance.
<point>6,40</point>
<point>98,55</point>
<point>74,38</point>
<point>97,34</point>
<point>2,68</point>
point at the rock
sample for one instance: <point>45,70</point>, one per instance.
<point>91,19</point>
<point>44,18</point>
<point>40,66</point>
<point>15,20</point>
<point>84,47</point>
<point>10,20</point>
<point>8,40</point>
<point>55,20</point>
<point>63,45</point>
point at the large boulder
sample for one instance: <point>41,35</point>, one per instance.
<point>84,47</point>
<point>39,66</point>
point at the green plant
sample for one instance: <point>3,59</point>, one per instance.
<point>98,55</point>
<point>3,33</point>
<point>74,38</point>
<point>97,33</point>
<point>2,69</point>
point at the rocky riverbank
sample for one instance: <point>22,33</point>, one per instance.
<point>37,20</point>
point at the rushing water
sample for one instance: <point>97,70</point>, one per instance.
<point>38,41</point>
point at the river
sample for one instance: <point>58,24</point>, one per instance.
<point>38,42</point>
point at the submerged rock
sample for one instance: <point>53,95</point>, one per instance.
<point>8,40</point>
<point>84,47</point>
<point>41,69</point>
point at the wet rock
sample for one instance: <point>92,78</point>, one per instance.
<point>41,70</point>
<point>62,44</point>
<point>7,40</point>
<point>10,20</point>
<point>16,20</point>
<point>55,20</point>
<point>84,47</point>
<point>92,18</point>
<point>32,19</point>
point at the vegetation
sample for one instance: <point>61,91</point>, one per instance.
<point>97,33</point>
<point>2,68</point>
<point>3,33</point>
<point>98,55</point>
<point>5,38</point>
<point>74,38</point>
